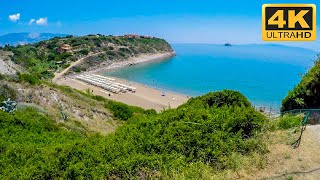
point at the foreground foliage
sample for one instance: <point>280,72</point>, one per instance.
<point>288,121</point>
<point>307,93</point>
<point>201,133</point>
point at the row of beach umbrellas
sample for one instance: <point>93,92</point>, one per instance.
<point>106,83</point>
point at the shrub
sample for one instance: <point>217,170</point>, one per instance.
<point>31,79</point>
<point>6,92</point>
<point>77,69</point>
<point>65,56</point>
<point>150,112</point>
<point>196,132</point>
<point>167,142</point>
<point>120,110</point>
<point>288,121</point>
<point>307,93</point>
<point>2,76</point>
<point>99,98</point>
<point>84,51</point>
<point>111,53</point>
<point>64,66</point>
<point>226,97</point>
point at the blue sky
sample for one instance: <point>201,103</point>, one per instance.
<point>178,21</point>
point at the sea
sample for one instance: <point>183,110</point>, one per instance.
<point>263,73</point>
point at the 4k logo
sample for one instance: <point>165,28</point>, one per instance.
<point>289,22</point>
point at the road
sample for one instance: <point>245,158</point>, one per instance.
<point>58,75</point>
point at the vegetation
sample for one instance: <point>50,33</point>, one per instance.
<point>210,133</point>
<point>197,134</point>
<point>6,92</point>
<point>287,121</point>
<point>307,93</point>
<point>31,79</point>
<point>8,106</point>
<point>43,58</point>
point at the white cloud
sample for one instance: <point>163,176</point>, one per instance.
<point>31,21</point>
<point>42,21</point>
<point>14,17</point>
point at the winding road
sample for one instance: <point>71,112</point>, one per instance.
<point>58,75</point>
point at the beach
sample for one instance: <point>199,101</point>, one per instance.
<point>133,61</point>
<point>145,96</point>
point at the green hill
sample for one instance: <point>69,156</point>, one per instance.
<point>206,132</point>
<point>46,57</point>
<point>306,94</point>
<point>60,133</point>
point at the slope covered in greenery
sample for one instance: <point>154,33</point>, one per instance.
<point>45,57</point>
<point>307,93</point>
<point>205,132</point>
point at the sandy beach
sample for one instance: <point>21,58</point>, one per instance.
<point>145,97</point>
<point>134,60</point>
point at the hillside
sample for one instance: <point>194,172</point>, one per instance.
<point>72,108</point>
<point>148,145</point>
<point>46,57</point>
<point>14,39</point>
<point>218,135</point>
<point>306,95</point>
<point>58,132</point>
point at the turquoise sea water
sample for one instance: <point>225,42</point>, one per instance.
<point>263,73</point>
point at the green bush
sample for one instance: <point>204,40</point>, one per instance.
<point>64,66</point>
<point>33,146</point>
<point>288,121</point>
<point>226,97</point>
<point>120,111</point>
<point>307,93</point>
<point>77,69</point>
<point>31,79</point>
<point>195,132</point>
<point>7,92</point>
<point>2,76</point>
<point>99,98</point>
<point>84,51</point>
<point>150,112</point>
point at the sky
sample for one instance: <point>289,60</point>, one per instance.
<point>177,21</point>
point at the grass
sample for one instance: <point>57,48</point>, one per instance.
<point>287,122</point>
<point>147,145</point>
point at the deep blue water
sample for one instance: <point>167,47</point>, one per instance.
<point>263,73</point>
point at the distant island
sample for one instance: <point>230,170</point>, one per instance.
<point>227,44</point>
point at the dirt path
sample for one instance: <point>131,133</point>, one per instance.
<point>285,162</point>
<point>58,75</point>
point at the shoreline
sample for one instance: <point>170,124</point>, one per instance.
<point>143,58</point>
<point>146,97</point>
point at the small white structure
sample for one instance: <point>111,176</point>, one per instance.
<point>105,83</point>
